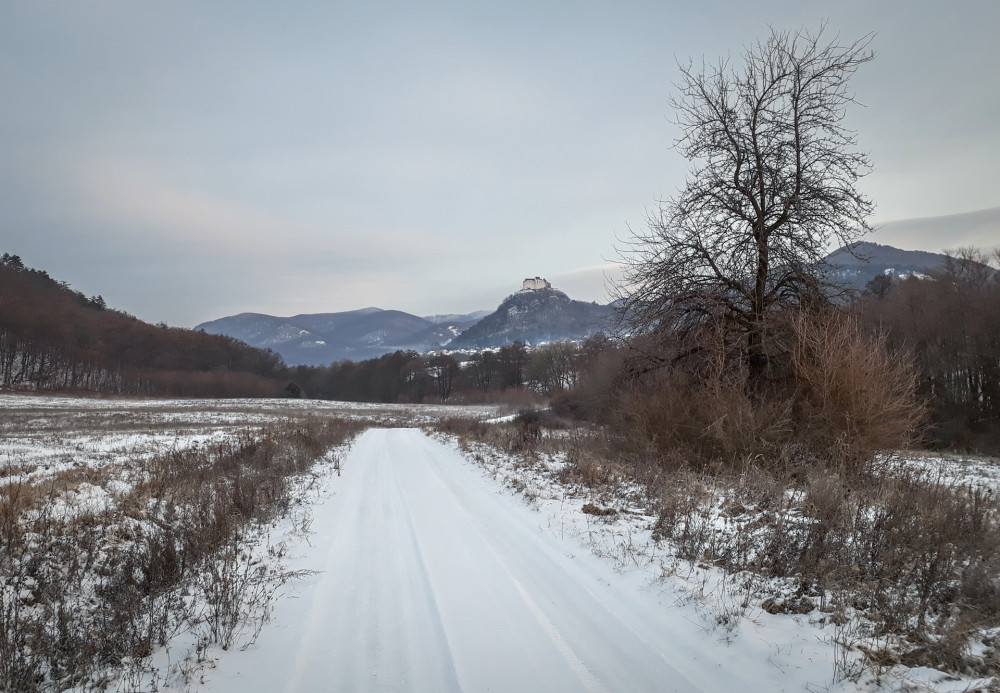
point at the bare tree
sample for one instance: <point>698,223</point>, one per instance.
<point>551,367</point>
<point>483,367</point>
<point>444,369</point>
<point>773,181</point>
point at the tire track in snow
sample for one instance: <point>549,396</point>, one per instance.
<point>616,633</point>
<point>372,622</point>
<point>585,676</point>
<point>433,581</point>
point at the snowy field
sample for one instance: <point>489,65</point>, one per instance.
<point>41,435</point>
<point>958,470</point>
<point>414,565</point>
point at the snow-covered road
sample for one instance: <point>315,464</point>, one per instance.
<point>430,580</point>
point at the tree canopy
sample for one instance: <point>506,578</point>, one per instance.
<point>772,182</point>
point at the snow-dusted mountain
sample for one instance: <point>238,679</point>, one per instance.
<point>530,315</point>
<point>858,264</point>
<point>533,316</point>
<point>537,313</point>
<point>456,317</point>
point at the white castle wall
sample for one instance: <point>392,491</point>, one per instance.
<point>534,284</point>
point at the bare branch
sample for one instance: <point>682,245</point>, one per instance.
<point>773,181</point>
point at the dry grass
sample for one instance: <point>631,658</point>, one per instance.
<point>904,565</point>
<point>89,590</point>
<point>524,435</point>
<point>854,396</point>
<point>908,557</point>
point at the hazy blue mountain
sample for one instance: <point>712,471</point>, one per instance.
<point>322,338</point>
<point>530,315</point>
<point>457,317</point>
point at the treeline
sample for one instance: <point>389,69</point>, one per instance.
<point>510,372</point>
<point>52,337</point>
<point>951,325</point>
<point>55,338</point>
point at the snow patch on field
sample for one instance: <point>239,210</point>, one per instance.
<point>957,470</point>
<point>43,435</point>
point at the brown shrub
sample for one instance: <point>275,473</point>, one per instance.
<point>592,470</point>
<point>592,396</point>
<point>679,416</point>
<point>464,428</point>
<point>834,394</point>
<point>853,395</point>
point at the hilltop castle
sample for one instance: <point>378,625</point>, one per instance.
<point>533,284</point>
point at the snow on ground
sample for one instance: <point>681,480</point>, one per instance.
<point>210,409</point>
<point>429,569</point>
<point>728,605</point>
<point>958,470</point>
<point>427,579</point>
<point>426,571</point>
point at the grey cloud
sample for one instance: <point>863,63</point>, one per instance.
<point>189,160</point>
<point>949,232</point>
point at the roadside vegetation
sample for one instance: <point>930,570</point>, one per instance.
<point>763,419</point>
<point>103,565</point>
<point>898,562</point>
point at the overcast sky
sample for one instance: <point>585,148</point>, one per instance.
<point>191,160</point>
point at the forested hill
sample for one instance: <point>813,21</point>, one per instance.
<point>52,337</point>
<point>536,316</point>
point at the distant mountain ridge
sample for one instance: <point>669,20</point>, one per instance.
<point>530,315</point>
<point>537,313</point>
<point>323,338</point>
